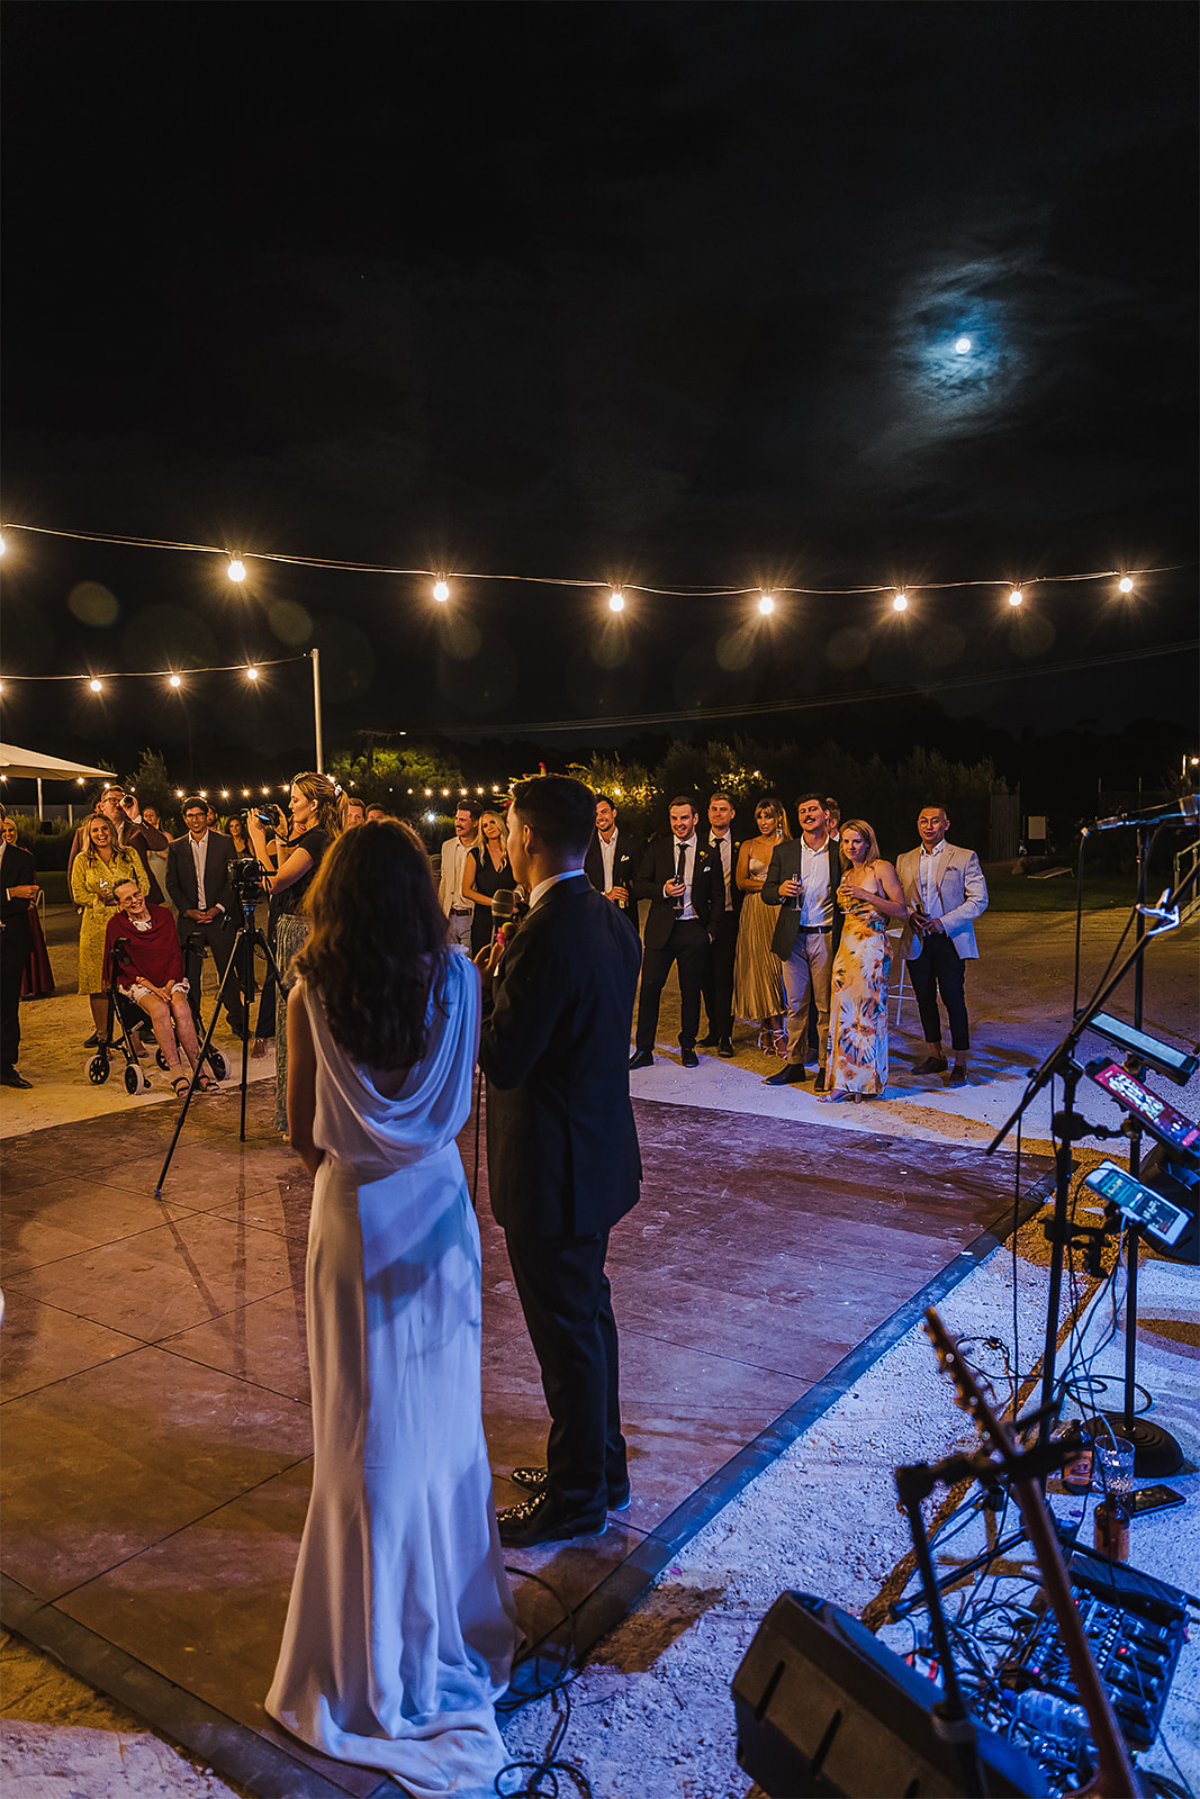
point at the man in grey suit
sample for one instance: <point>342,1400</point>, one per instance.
<point>946,893</point>
<point>802,881</point>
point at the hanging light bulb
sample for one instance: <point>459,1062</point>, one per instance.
<point>616,601</point>
<point>245,793</point>
<point>900,603</point>
<point>224,793</point>
<point>441,591</point>
<point>96,686</point>
<point>766,604</point>
<point>175,681</point>
<point>1125,584</point>
<point>3,546</point>
<point>237,569</point>
<point>1016,597</point>
<point>252,674</point>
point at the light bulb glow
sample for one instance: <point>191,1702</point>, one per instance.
<point>900,603</point>
<point>178,792</point>
<point>441,592</point>
<point>252,674</point>
<point>1016,597</point>
<point>3,546</point>
<point>1125,584</point>
<point>224,793</point>
<point>245,793</point>
<point>616,601</point>
<point>96,686</point>
<point>175,681</point>
<point>266,793</point>
<point>237,569</point>
<point>766,604</point>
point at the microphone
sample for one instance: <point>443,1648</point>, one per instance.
<point>1185,810</point>
<point>504,910</point>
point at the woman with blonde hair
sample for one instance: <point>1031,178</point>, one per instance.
<point>296,852</point>
<point>485,874</point>
<point>100,864</point>
<point>399,1633</point>
<point>870,897</point>
<point>758,994</point>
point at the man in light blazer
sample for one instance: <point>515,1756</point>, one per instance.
<point>802,881</point>
<point>946,893</point>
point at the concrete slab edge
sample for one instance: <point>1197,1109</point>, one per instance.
<point>603,1610</point>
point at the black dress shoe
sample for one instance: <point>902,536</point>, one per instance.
<point>709,1042</point>
<point>787,1076</point>
<point>641,1059</point>
<point>689,1058</point>
<point>92,1042</point>
<point>931,1065</point>
<point>10,1078</point>
<point>538,1520</point>
<point>725,1048</point>
<point>535,1480</point>
<point>820,1085</point>
<point>958,1075</point>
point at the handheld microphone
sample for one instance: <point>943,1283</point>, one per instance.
<point>504,916</point>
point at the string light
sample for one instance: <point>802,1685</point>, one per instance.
<point>245,793</point>
<point>766,604</point>
<point>441,591</point>
<point>96,686</point>
<point>1125,584</point>
<point>3,546</point>
<point>252,674</point>
<point>175,681</point>
<point>616,601</point>
<point>900,603</point>
<point>237,569</point>
<point>1016,597</point>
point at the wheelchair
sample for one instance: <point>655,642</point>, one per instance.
<point>124,1017</point>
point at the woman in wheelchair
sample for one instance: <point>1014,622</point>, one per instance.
<point>149,970</point>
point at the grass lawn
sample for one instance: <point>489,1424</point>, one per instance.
<point>1102,891</point>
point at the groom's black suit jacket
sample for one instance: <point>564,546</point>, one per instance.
<point>562,1145</point>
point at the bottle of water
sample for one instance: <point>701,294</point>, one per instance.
<point>1054,1717</point>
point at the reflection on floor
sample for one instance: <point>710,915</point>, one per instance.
<point>155,1390</point>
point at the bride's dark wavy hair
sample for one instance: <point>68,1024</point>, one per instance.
<point>378,943</point>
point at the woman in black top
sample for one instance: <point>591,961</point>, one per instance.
<point>485,873</point>
<point>314,825</point>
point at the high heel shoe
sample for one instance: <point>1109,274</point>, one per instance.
<point>781,1045</point>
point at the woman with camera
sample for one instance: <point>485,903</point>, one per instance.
<point>295,852</point>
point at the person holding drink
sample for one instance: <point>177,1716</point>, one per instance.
<point>801,881</point>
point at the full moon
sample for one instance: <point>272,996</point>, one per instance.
<point>962,345</point>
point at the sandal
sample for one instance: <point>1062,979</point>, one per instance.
<point>181,1083</point>
<point>206,1084</point>
<point>781,1045</point>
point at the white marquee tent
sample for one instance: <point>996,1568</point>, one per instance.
<point>32,765</point>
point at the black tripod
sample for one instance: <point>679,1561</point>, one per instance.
<point>1069,1128</point>
<point>248,939</point>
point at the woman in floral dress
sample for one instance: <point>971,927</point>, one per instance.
<point>871,897</point>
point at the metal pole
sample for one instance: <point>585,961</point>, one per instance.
<point>41,814</point>
<point>316,668</point>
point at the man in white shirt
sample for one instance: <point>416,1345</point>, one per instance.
<point>718,976</point>
<point>455,851</point>
<point>679,878</point>
<point>201,889</point>
<point>946,893</point>
<point>612,859</point>
<point>802,881</point>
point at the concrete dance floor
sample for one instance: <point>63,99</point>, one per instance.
<point>156,1426</point>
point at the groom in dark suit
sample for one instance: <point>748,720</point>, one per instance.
<point>563,1162</point>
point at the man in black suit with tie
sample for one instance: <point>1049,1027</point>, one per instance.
<point>679,879</point>
<point>18,885</point>
<point>612,859</point>
<point>563,1161</point>
<point>803,881</point>
<point>201,890</point>
<point>718,976</point>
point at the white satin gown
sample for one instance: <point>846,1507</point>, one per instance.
<point>400,1628</point>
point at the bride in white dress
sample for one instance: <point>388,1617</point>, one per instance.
<point>400,1633</point>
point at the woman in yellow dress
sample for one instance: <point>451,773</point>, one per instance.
<point>870,896</point>
<point>96,870</point>
<point>757,972</point>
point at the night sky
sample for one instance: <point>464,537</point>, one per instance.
<point>651,294</point>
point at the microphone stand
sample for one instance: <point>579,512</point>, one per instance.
<point>1068,1127</point>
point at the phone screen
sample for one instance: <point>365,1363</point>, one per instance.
<point>1154,1499</point>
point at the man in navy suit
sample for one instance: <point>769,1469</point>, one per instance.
<point>201,890</point>
<point>563,1161</point>
<point>686,894</point>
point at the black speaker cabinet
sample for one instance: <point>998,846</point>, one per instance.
<point>823,1709</point>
